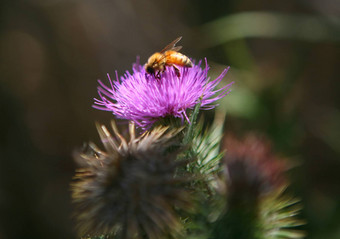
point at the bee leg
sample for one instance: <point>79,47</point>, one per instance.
<point>158,75</point>
<point>178,74</point>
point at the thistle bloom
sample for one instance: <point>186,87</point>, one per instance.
<point>131,189</point>
<point>251,166</point>
<point>144,99</point>
<point>256,204</point>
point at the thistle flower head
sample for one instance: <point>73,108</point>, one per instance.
<point>130,189</point>
<point>251,166</point>
<point>144,99</point>
<point>256,205</point>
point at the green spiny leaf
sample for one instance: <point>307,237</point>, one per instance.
<point>206,145</point>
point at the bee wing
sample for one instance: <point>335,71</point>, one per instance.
<point>171,46</point>
<point>176,48</point>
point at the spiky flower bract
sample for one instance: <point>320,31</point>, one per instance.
<point>144,99</point>
<point>277,217</point>
<point>131,190</point>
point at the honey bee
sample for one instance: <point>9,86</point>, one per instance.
<point>169,56</point>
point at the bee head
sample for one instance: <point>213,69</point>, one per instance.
<point>150,69</point>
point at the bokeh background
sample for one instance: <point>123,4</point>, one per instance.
<point>284,58</point>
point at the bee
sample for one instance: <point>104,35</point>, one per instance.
<point>169,56</point>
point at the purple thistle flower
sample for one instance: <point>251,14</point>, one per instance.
<point>144,99</point>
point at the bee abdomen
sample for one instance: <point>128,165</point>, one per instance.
<point>178,59</point>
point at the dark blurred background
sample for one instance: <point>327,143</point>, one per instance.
<point>284,58</point>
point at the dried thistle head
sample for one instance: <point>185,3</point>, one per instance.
<point>130,190</point>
